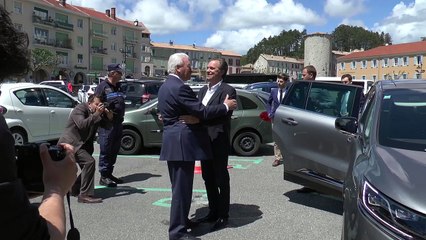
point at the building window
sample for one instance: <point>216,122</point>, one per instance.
<point>363,77</point>
<point>386,62</point>
<point>114,60</point>
<point>80,23</point>
<point>405,61</point>
<point>62,58</point>
<point>114,46</point>
<point>80,58</point>
<point>374,63</point>
<point>353,77</point>
<point>230,62</point>
<point>342,66</point>
<point>229,70</point>
<point>385,77</point>
<point>418,60</point>
<point>113,30</point>
<point>404,76</point>
<point>237,62</point>
<point>41,35</point>
<point>80,41</point>
<point>353,65</point>
<point>395,62</point>
<point>364,63</point>
<point>18,7</point>
<point>42,13</point>
<point>374,77</point>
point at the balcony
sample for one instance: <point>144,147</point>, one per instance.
<point>59,43</point>
<point>66,26</point>
<point>130,40</point>
<point>98,33</point>
<point>99,50</point>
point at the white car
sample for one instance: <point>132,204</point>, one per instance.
<point>85,91</point>
<point>35,112</point>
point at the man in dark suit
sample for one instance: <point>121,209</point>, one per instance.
<point>80,132</point>
<point>215,171</point>
<point>182,143</point>
<point>274,101</point>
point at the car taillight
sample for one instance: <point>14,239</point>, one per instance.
<point>145,97</point>
<point>264,116</point>
<point>3,110</point>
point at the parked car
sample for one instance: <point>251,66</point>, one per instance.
<point>85,91</point>
<point>138,92</point>
<point>35,112</point>
<point>250,126</point>
<point>375,163</point>
<point>262,86</point>
<point>56,83</point>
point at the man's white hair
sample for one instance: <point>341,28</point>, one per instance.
<point>175,60</point>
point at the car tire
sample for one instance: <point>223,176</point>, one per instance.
<point>19,136</point>
<point>246,143</point>
<point>131,142</point>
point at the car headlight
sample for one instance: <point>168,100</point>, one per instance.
<point>396,217</point>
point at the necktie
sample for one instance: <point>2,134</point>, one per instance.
<point>281,95</point>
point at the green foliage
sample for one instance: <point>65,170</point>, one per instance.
<point>291,43</point>
<point>41,58</point>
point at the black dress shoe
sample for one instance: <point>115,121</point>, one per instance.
<point>305,190</point>
<point>192,224</point>
<point>104,181</point>
<point>116,179</point>
<point>188,237</point>
<point>88,199</point>
<point>208,218</point>
<point>219,224</point>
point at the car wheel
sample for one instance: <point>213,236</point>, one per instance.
<point>131,142</point>
<point>19,136</point>
<point>246,143</point>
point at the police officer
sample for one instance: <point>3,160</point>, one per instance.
<point>110,136</point>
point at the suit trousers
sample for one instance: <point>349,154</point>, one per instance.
<point>216,178</point>
<point>182,177</point>
<point>85,183</point>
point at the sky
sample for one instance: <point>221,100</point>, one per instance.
<point>237,25</point>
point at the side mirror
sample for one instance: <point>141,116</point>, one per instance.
<point>347,124</point>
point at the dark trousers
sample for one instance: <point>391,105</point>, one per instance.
<point>182,177</point>
<point>109,145</point>
<point>85,183</point>
<point>216,178</point>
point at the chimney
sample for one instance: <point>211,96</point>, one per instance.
<point>63,2</point>
<point>108,12</point>
<point>171,43</point>
<point>113,14</point>
<point>193,45</point>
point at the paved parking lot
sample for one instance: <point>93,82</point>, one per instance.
<point>263,205</point>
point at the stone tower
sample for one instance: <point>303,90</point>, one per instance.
<point>318,52</point>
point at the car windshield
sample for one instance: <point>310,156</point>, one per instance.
<point>402,119</point>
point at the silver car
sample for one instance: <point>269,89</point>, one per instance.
<point>35,112</point>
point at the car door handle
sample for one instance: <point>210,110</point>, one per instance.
<point>52,111</point>
<point>234,117</point>
<point>289,121</point>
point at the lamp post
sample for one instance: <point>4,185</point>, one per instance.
<point>123,65</point>
<point>420,70</point>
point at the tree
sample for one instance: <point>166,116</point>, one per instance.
<point>42,58</point>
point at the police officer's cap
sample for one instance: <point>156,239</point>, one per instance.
<point>115,67</point>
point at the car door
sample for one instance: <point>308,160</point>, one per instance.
<point>59,106</point>
<point>315,153</point>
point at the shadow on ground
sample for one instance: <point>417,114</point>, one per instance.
<point>138,177</point>
<point>240,215</point>
<point>317,200</point>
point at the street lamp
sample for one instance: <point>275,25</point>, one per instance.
<point>123,65</point>
<point>420,70</point>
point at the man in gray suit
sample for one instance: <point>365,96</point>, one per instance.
<point>183,143</point>
<point>80,132</point>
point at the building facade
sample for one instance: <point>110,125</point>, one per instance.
<point>85,41</point>
<point>200,57</point>
<point>398,61</point>
<point>270,64</point>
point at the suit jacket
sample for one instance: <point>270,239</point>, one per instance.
<point>81,126</point>
<point>182,142</point>
<point>273,101</point>
<point>219,128</point>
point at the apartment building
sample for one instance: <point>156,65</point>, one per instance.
<point>270,64</point>
<point>398,61</point>
<point>84,40</point>
<point>200,57</point>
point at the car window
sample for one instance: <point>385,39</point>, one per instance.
<point>297,95</point>
<point>58,99</point>
<point>246,103</point>
<point>30,97</point>
<point>152,88</point>
<point>402,119</point>
<point>366,121</point>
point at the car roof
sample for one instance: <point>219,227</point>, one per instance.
<point>142,81</point>
<point>10,86</point>
<point>403,83</point>
<point>53,82</point>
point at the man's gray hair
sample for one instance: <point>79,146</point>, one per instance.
<point>175,60</point>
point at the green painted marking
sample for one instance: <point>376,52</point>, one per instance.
<point>164,202</point>
<point>151,189</point>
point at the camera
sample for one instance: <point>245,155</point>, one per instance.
<point>30,167</point>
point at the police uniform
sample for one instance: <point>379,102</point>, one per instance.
<point>110,136</point>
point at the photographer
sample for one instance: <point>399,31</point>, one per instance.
<point>18,218</point>
<point>80,133</point>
